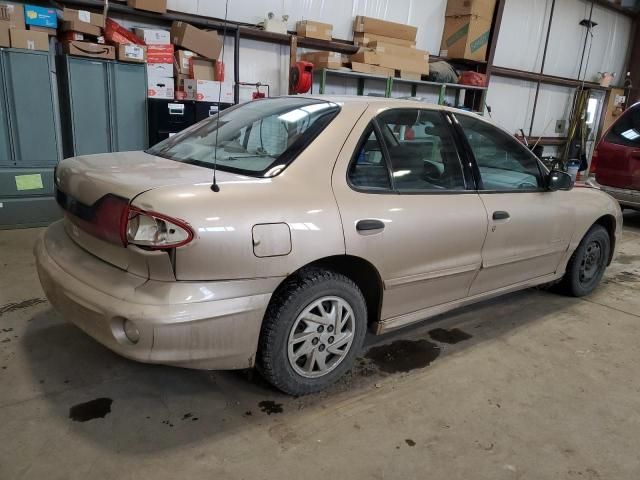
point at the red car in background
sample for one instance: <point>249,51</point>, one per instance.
<point>616,160</point>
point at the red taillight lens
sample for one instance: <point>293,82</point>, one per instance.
<point>104,220</point>
<point>154,230</point>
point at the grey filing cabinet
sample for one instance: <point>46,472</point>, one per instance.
<point>103,105</point>
<point>29,139</point>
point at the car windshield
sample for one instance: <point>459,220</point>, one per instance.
<point>258,138</point>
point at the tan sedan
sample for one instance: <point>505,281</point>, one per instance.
<point>329,216</point>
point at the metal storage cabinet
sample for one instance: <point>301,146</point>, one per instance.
<point>103,104</point>
<point>29,139</point>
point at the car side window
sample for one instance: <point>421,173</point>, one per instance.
<point>626,131</point>
<point>368,169</point>
<point>504,163</point>
<point>422,152</point>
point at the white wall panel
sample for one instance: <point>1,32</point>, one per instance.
<point>522,34</point>
<point>511,104</point>
<point>427,15</point>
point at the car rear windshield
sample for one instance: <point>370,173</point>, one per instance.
<point>626,131</point>
<point>258,138</point>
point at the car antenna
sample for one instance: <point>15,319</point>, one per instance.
<point>214,186</point>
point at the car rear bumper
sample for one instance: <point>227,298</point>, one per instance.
<point>206,325</point>
<point>626,197</point>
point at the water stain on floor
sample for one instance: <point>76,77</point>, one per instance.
<point>403,355</point>
<point>12,307</point>
<point>627,259</point>
<point>98,408</point>
<point>453,336</point>
<point>269,407</point>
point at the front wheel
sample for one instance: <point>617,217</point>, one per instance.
<point>312,332</point>
<point>587,264</point>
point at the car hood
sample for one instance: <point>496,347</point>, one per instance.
<point>127,174</point>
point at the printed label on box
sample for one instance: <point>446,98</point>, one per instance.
<point>132,51</point>
<point>31,45</point>
<point>84,16</point>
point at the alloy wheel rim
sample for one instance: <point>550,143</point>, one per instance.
<point>321,337</point>
<point>591,263</point>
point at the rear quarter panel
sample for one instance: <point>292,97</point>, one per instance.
<point>301,196</point>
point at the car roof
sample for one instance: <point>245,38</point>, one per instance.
<point>378,101</point>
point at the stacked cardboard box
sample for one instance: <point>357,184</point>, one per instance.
<point>331,60</point>
<point>389,47</point>
<point>82,34</point>
<point>160,80</point>
<point>313,29</point>
<point>13,28</point>
<point>198,71</point>
<point>467,28</point>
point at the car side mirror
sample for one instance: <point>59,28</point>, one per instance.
<point>558,180</point>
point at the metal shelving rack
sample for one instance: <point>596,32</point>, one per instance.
<point>389,81</point>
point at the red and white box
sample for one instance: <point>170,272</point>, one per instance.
<point>160,69</point>
<point>160,87</point>
<point>208,91</point>
<point>160,54</point>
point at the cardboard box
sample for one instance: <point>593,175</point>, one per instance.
<point>81,27</point>
<point>203,69</point>
<point>164,70</point>
<point>5,38</point>
<point>408,75</point>
<point>153,36</point>
<point>180,78</point>
<point>183,61</point>
<point>159,6</point>
<point>132,53</point>
<point>13,13</point>
<point>465,37</point>
<point>312,29</point>
<point>372,69</point>
<point>365,38</point>
<point>207,44</point>
<point>208,91</point>
<point>52,32</point>
<point>160,54</point>
<point>382,27</point>
<point>391,49</point>
<point>71,36</point>
<point>97,19</point>
<point>116,34</point>
<point>40,16</point>
<point>92,50</point>
<point>160,87</point>
<point>479,8</point>
<point>29,40</point>
<point>392,61</point>
<point>324,57</point>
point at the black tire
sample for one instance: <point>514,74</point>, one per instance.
<point>575,281</point>
<point>288,302</point>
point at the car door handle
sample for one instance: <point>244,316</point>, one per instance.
<point>500,215</point>
<point>369,224</point>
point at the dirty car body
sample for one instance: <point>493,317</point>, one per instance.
<point>416,209</point>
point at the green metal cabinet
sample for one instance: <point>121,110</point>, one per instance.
<point>29,139</point>
<point>104,106</point>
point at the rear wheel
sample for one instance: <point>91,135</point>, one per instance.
<point>587,264</point>
<point>312,331</point>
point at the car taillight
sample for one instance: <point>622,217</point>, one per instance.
<point>154,230</point>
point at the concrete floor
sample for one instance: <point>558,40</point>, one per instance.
<point>538,386</point>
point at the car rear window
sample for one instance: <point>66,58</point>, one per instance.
<point>626,131</point>
<point>258,138</point>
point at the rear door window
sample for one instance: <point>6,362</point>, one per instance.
<point>368,169</point>
<point>626,131</point>
<point>422,152</point>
